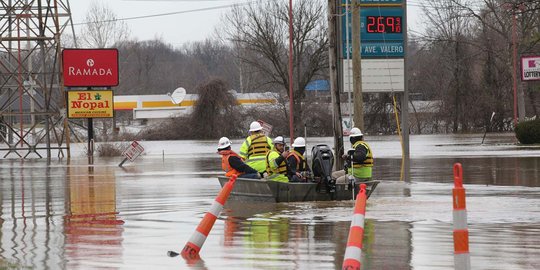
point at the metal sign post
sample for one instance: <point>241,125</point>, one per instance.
<point>132,152</point>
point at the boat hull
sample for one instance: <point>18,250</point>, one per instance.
<point>260,190</point>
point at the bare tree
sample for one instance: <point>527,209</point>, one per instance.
<point>154,67</point>
<point>102,29</point>
<point>473,42</point>
<point>261,30</point>
<point>495,37</point>
<point>452,33</point>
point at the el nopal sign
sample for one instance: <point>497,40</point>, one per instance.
<point>90,104</point>
<point>90,67</point>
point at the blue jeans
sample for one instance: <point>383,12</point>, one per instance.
<point>251,175</point>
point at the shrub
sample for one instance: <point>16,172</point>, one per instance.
<point>111,149</point>
<point>528,132</point>
<point>178,128</point>
<point>216,112</point>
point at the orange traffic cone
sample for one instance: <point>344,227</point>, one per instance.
<point>353,252</point>
<point>195,243</point>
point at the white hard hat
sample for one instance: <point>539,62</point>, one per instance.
<point>356,132</point>
<point>279,139</point>
<point>255,126</point>
<point>299,142</point>
<point>223,143</point>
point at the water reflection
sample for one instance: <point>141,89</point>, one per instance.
<point>501,171</point>
<point>91,225</point>
<point>285,239</point>
<point>62,215</point>
<point>53,215</point>
<point>28,203</point>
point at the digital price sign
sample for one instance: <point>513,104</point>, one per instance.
<point>383,24</point>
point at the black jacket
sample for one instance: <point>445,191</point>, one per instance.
<point>291,166</point>
<point>358,155</point>
<point>237,164</point>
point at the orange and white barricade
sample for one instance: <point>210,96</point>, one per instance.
<point>353,252</point>
<point>195,243</point>
<point>462,260</point>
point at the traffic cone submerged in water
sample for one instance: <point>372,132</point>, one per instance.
<point>462,259</point>
<point>353,252</point>
<point>197,239</point>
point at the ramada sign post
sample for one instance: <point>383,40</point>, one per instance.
<point>87,68</point>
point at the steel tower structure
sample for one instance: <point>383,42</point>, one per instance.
<point>32,100</point>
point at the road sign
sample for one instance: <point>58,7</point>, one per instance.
<point>266,128</point>
<point>133,151</point>
<point>530,68</point>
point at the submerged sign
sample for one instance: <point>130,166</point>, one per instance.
<point>90,104</point>
<point>530,68</point>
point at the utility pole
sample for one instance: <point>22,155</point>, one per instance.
<point>291,91</point>
<point>520,96</point>
<point>334,89</point>
<point>357,66</point>
<point>405,106</point>
<point>514,62</point>
<point>519,111</point>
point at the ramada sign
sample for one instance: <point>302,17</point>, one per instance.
<point>90,67</point>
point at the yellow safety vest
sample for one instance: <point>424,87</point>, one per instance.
<point>276,172</point>
<point>259,145</point>
<point>364,169</point>
<point>254,150</point>
<point>301,163</point>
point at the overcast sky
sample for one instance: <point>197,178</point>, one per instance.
<point>189,20</point>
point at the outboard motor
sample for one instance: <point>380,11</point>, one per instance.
<point>322,163</point>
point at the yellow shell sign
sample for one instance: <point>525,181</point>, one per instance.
<point>90,104</point>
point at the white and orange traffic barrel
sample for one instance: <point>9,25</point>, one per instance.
<point>462,259</point>
<point>191,250</point>
<point>353,252</point>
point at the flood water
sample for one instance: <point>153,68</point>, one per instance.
<point>75,215</point>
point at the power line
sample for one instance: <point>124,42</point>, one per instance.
<point>175,0</point>
<point>168,13</point>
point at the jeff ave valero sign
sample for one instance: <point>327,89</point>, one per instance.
<point>90,67</point>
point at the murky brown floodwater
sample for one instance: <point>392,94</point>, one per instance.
<point>75,215</point>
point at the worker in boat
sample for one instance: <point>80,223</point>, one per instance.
<point>276,161</point>
<point>232,163</point>
<point>255,148</point>
<point>298,168</point>
<point>359,157</point>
